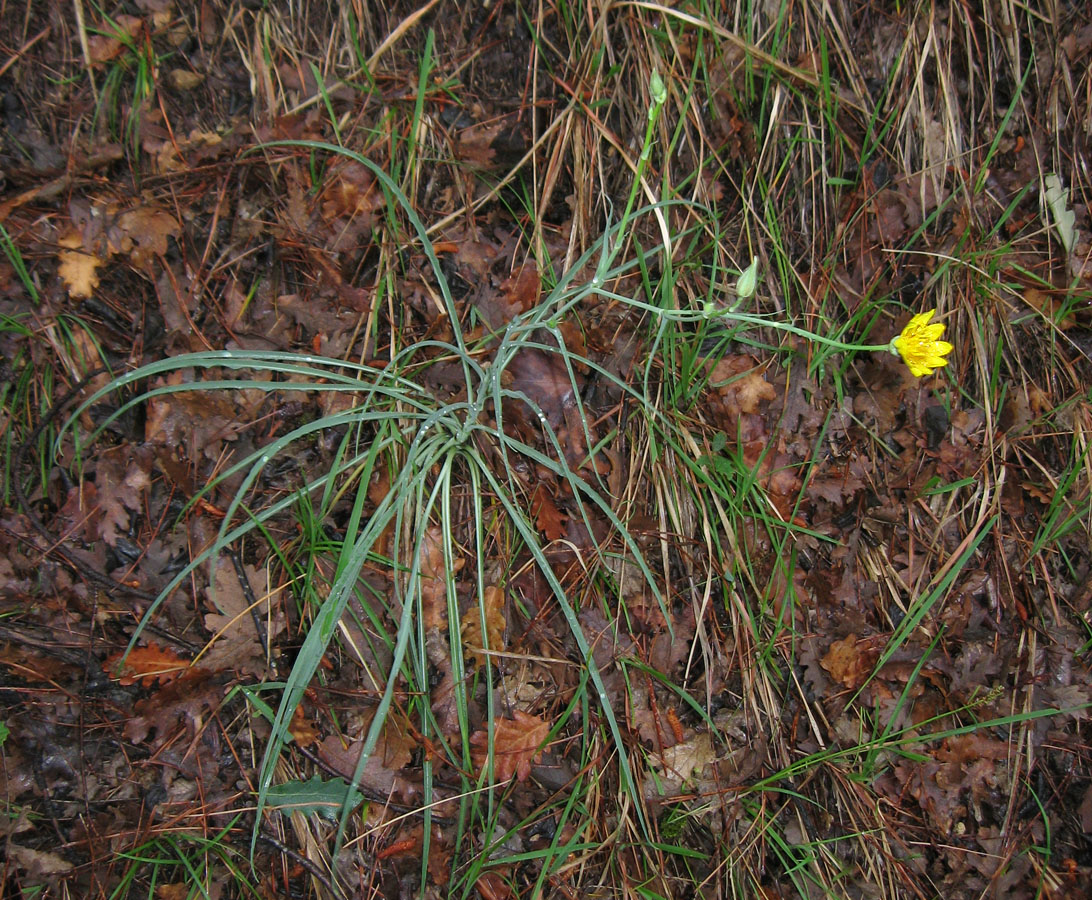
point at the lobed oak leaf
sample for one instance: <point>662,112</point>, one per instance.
<point>184,701</point>
<point>738,389</point>
<point>548,518</point>
<point>185,79</point>
<point>120,488</point>
<point>837,485</point>
<point>752,392</point>
<point>146,229</point>
<point>236,643</point>
<point>198,421</point>
<point>520,292</point>
<point>38,863</point>
<point>392,753</point>
<point>302,729</point>
<point>77,270</point>
<point>113,37</point>
<point>351,192</point>
<point>516,745</point>
<point>543,377</point>
<point>33,666</point>
<point>474,145</point>
<point>682,760</point>
<point>149,665</point>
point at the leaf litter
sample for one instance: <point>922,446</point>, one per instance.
<point>895,560</point>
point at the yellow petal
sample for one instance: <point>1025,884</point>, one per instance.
<point>920,345</point>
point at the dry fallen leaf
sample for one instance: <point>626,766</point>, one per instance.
<point>110,39</point>
<point>185,79</point>
<point>185,701</point>
<point>493,606</point>
<point>302,729</point>
<point>392,753</point>
<point>120,489</point>
<point>38,863</point>
<point>351,193</point>
<point>520,292</point>
<point>433,579</point>
<point>849,661</point>
<point>738,389</point>
<point>236,643</point>
<point>516,744</point>
<point>148,665</point>
<point>548,518</point>
<point>198,422</point>
<point>146,230</point>
<point>683,760</point>
<point>752,391</point>
<point>679,764</point>
<point>474,145</point>
<point>77,270</point>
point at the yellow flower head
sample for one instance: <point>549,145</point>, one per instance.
<point>920,345</point>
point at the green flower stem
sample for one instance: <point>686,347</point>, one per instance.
<point>747,319</point>
<point>659,96</point>
<point>804,333</point>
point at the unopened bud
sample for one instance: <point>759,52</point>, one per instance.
<point>658,89</point>
<point>748,278</point>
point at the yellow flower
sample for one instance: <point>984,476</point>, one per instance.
<point>920,345</point>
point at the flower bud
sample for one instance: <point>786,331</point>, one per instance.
<point>748,278</point>
<point>657,89</point>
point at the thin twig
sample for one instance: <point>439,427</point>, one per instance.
<point>308,864</point>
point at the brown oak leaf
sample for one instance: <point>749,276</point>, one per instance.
<point>850,660</point>
<point>148,665</point>
<point>516,744</point>
<point>302,729</point>
<point>185,701</point>
<point>77,270</point>
<point>146,230</point>
<point>236,643</point>
<point>120,488</point>
<point>548,518</point>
